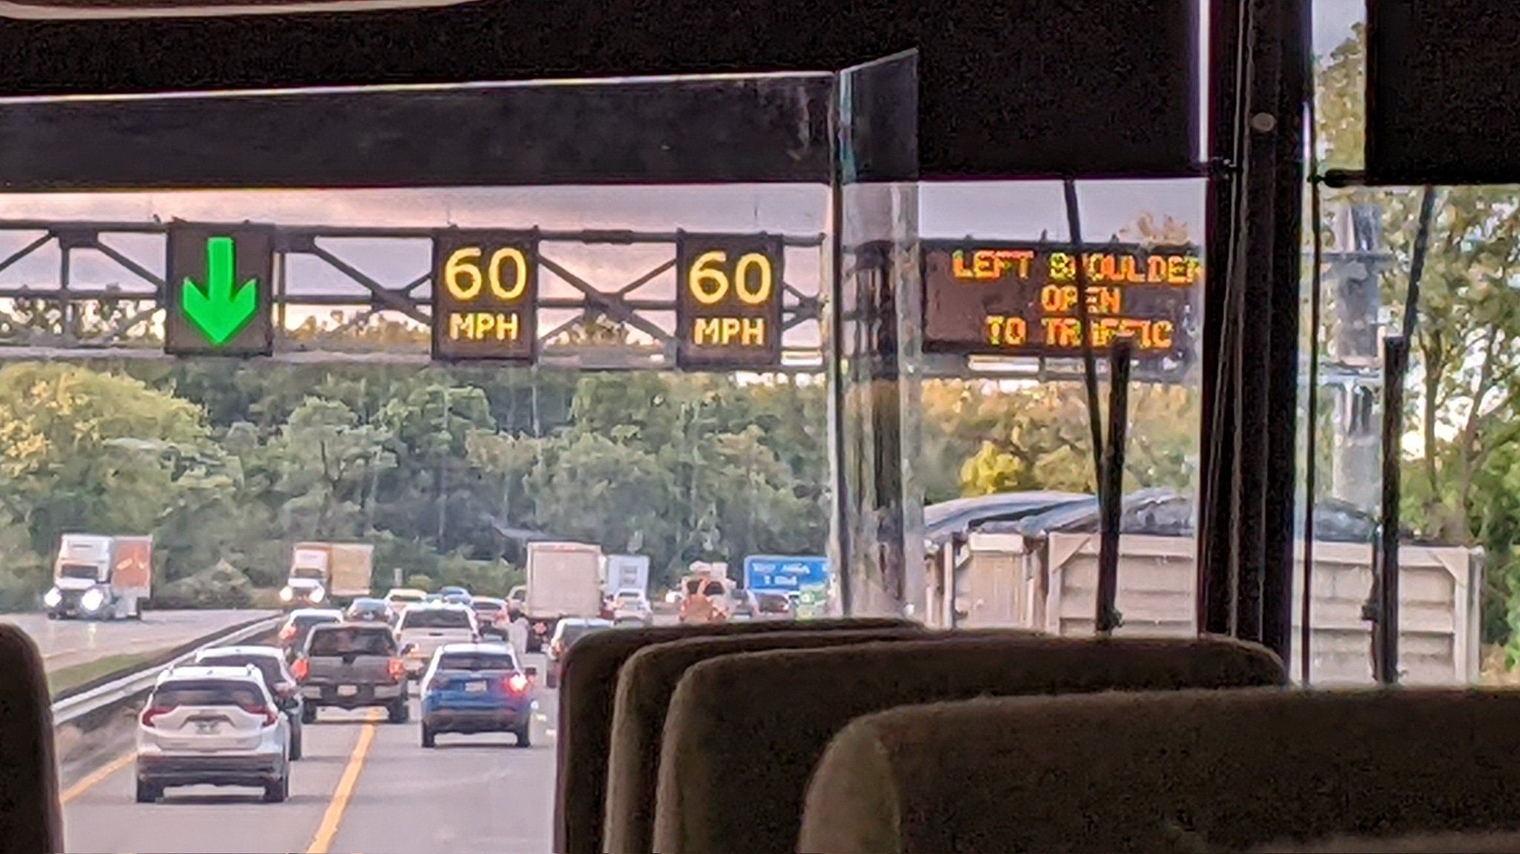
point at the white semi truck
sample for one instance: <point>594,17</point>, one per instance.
<point>97,577</point>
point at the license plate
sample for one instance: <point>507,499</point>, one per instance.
<point>348,690</point>
<point>476,687</point>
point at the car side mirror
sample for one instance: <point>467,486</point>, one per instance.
<point>407,648</point>
<point>531,672</point>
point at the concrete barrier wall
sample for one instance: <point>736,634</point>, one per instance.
<point>1050,583</point>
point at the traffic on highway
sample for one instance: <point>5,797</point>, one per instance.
<point>318,736</point>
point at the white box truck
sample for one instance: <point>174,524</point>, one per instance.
<point>627,572</point>
<point>564,580</point>
<point>322,573</point>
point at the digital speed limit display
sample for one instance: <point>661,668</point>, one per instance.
<point>728,301</point>
<point>485,289</point>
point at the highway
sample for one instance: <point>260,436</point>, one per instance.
<point>67,643</point>
<point>363,786</point>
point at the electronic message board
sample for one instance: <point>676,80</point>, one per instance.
<point>485,293</point>
<point>217,291</point>
<point>728,301</point>
<point>1021,299</point>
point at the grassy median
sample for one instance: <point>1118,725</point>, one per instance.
<point>64,678</point>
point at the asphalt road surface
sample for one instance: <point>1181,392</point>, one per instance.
<point>66,643</point>
<point>364,786</point>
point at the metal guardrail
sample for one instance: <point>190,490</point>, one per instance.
<point>72,708</point>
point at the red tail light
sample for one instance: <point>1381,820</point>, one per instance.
<point>152,712</point>
<point>287,633</point>
<point>558,649</point>
<point>397,669</point>
<point>300,669</point>
<point>271,717</point>
<point>516,683</point>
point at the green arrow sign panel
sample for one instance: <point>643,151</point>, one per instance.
<point>218,294</point>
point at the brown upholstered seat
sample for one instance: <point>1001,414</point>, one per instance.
<point>588,683</point>
<point>1168,771</point>
<point>1439,843</point>
<point>31,817</point>
<point>785,706</point>
<point>645,684</point>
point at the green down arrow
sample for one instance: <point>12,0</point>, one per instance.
<point>219,310</point>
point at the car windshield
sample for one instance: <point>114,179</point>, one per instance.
<point>77,570</point>
<point>436,618</point>
<point>351,640</point>
<point>476,661</point>
<point>206,692</point>
<point>309,573</point>
<point>269,666</point>
<point>486,606</point>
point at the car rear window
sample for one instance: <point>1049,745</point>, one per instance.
<point>351,640</point>
<point>268,666</point>
<point>575,631</point>
<point>206,692</point>
<point>441,618</point>
<point>488,607</point>
<point>476,661</point>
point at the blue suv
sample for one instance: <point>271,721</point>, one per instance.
<point>477,687</point>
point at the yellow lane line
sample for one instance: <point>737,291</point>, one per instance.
<point>96,777</point>
<point>333,818</point>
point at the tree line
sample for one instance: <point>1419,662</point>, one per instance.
<point>448,470</point>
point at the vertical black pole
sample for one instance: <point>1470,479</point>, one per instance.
<point>1111,492</point>
<point>1089,359</point>
<point>1227,85</point>
<point>1386,630</point>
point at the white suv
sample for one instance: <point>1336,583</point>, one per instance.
<point>212,726</point>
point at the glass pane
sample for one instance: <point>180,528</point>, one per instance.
<point>878,520</point>
<point>1006,461</point>
<point>350,433</point>
<point>1458,516</point>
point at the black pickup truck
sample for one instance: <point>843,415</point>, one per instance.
<point>353,666</point>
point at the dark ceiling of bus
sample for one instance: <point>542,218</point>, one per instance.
<point>1099,87</point>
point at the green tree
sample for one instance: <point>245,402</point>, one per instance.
<point>590,487</point>
<point>61,464</point>
<point>1464,382</point>
<point>330,466</point>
